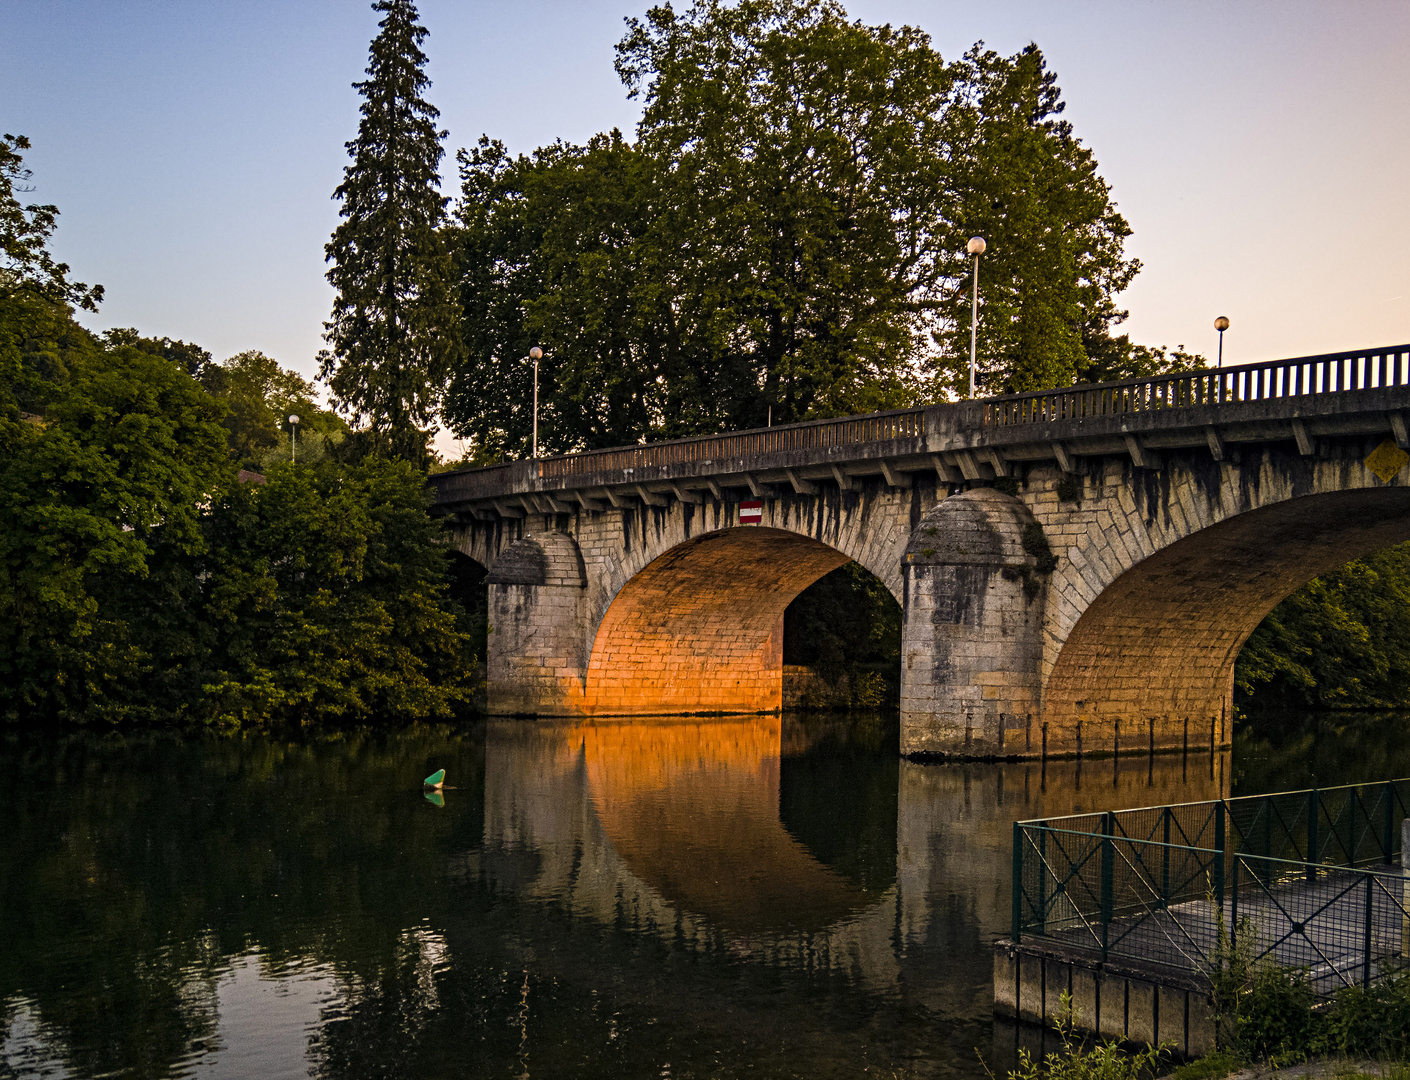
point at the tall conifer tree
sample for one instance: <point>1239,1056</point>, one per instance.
<point>392,336</point>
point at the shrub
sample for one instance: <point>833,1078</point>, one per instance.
<point>1369,1023</point>
<point>1104,1060</point>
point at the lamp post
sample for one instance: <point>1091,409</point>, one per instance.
<point>1221,324</point>
<point>536,354</point>
<point>293,438</point>
<point>976,248</point>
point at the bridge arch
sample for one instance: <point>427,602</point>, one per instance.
<point>678,609</point>
<point>700,628</point>
<point>1156,647</point>
<point>1160,576</point>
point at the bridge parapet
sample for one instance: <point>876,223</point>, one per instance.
<point>1297,400</point>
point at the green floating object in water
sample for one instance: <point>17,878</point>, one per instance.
<point>436,779</point>
<point>435,798</point>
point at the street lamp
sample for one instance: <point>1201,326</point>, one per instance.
<point>976,248</point>
<point>1221,324</point>
<point>536,354</point>
<point>293,438</point>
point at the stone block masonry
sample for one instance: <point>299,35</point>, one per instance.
<point>1096,610</point>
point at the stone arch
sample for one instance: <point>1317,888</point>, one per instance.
<point>1150,659</point>
<point>700,628</point>
<point>651,572</point>
<point>1159,576</point>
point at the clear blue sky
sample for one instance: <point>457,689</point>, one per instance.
<point>1261,151</point>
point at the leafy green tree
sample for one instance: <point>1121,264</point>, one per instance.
<point>804,160</point>
<point>560,249</point>
<point>188,355</point>
<point>1112,358</point>
<point>785,238</point>
<point>326,591</point>
<point>1338,642</point>
<point>765,248</point>
<point>261,396</point>
<point>392,333</point>
<point>128,447</point>
<point>845,623</point>
<point>103,450</point>
<point>27,267</point>
<point>1021,178</point>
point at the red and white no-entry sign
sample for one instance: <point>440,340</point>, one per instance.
<point>751,512</point>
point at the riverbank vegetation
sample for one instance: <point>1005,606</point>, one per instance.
<point>145,579</point>
<point>1339,642</point>
<point>1265,1017</point>
<point>783,240</point>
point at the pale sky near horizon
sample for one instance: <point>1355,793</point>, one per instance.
<point>1260,151</point>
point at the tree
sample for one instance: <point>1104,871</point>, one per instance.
<point>188,355</point>
<point>1021,178</point>
<point>127,449</point>
<point>564,248</point>
<point>325,589</point>
<point>804,164</point>
<point>261,396</point>
<point>765,248</point>
<point>27,267</point>
<point>1338,642</point>
<point>785,238</point>
<point>392,334</point>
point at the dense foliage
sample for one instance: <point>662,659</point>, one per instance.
<point>784,239</point>
<point>141,580</point>
<point>848,625</point>
<point>1337,643</point>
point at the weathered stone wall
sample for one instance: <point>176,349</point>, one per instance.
<point>536,600</point>
<point>681,609</point>
<point>1128,644</point>
<point>1162,575</point>
<point>972,637</point>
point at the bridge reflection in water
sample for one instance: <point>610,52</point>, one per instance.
<point>702,834</point>
<point>594,898</point>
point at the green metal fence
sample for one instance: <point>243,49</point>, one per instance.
<point>1308,879</point>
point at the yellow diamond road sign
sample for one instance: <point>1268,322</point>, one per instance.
<point>1386,460</point>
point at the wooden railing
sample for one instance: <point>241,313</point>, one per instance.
<point>1307,375</point>
<point>817,434</point>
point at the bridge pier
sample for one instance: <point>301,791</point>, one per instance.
<point>537,609</point>
<point>972,636</point>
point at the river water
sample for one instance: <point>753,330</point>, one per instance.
<point>663,898</point>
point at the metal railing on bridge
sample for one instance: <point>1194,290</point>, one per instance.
<point>904,431</point>
<point>1307,880</point>
<point>1331,373</point>
<point>816,434</point>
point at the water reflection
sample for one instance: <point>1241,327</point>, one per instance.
<point>597,899</point>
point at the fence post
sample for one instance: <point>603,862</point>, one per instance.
<point>1311,853</point>
<point>1108,872</point>
<point>1165,864</point>
<point>1043,878</point>
<point>1366,936</point>
<point>1017,882</point>
<point>1219,861</point>
<point>1388,836</point>
<point>1234,906</point>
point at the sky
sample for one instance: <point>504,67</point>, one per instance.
<point>1259,150</point>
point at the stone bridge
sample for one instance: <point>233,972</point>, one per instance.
<point>1077,569</point>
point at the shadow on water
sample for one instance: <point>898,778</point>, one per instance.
<point>615,898</point>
